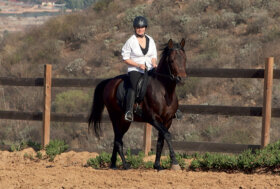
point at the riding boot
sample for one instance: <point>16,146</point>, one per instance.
<point>130,98</point>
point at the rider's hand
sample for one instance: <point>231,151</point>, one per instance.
<point>142,66</point>
<point>154,65</point>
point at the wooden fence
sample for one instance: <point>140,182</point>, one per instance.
<point>266,111</point>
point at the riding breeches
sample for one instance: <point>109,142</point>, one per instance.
<point>134,77</point>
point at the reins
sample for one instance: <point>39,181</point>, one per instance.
<point>170,75</point>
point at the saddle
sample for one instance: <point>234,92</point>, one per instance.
<point>139,93</point>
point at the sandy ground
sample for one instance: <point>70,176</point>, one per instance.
<point>69,171</point>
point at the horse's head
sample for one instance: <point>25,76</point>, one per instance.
<point>174,60</point>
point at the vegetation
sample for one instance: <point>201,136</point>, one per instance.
<point>72,101</point>
<point>18,146</point>
<point>55,147</point>
<point>267,159</point>
<point>74,4</point>
<point>87,44</point>
<point>135,161</point>
<point>101,161</point>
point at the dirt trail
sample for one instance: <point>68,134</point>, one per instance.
<point>68,171</point>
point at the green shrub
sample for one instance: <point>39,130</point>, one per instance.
<point>101,5</point>
<point>198,6</point>
<point>248,161</point>
<point>136,161</point>
<point>131,13</point>
<point>101,161</point>
<point>149,165</point>
<point>189,87</point>
<point>165,163</point>
<point>93,162</point>
<point>269,156</point>
<point>28,156</point>
<point>72,101</point>
<point>18,146</point>
<point>55,147</point>
<point>39,155</point>
<point>195,164</point>
<point>35,145</point>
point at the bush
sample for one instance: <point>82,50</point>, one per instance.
<point>55,147</point>
<point>136,161</point>
<point>35,145</point>
<point>248,161</point>
<point>199,6</point>
<point>101,161</point>
<point>189,87</point>
<point>101,5</point>
<point>18,146</point>
<point>39,155</point>
<point>72,101</point>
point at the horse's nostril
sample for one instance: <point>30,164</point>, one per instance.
<point>178,79</point>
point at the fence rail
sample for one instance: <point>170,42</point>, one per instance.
<point>192,109</point>
<point>86,82</point>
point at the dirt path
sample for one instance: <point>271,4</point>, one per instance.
<point>68,171</point>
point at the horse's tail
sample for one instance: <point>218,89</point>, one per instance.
<point>97,107</point>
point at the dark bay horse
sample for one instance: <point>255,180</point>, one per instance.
<point>158,107</point>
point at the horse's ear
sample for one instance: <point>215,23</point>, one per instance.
<point>170,44</point>
<point>182,43</point>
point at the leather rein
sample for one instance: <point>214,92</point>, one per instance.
<point>170,75</point>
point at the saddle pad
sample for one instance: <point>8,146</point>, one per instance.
<point>140,91</point>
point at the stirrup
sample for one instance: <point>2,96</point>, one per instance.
<point>178,115</point>
<point>128,116</point>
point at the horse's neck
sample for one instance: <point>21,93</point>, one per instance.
<point>165,81</point>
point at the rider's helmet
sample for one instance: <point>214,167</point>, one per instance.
<point>140,22</point>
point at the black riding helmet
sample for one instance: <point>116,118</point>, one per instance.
<point>140,22</point>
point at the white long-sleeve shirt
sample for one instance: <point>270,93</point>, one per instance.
<point>132,50</point>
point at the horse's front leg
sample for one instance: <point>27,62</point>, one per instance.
<point>167,136</point>
<point>160,143</point>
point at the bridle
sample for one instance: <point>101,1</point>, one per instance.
<point>170,75</point>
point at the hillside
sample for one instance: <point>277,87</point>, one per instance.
<point>219,34</point>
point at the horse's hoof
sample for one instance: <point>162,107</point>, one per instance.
<point>176,167</point>
<point>126,166</point>
<point>158,167</point>
<point>113,167</point>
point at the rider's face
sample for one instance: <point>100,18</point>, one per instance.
<point>140,31</point>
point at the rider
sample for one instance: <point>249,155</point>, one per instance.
<point>139,53</point>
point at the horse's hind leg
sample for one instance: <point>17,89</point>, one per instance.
<point>119,129</point>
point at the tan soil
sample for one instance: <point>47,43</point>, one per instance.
<point>68,171</point>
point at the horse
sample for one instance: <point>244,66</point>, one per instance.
<point>158,106</point>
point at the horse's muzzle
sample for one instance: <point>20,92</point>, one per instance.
<point>178,79</point>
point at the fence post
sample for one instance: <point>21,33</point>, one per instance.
<point>267,97</point>
<point>47,105</point>
<point>147,138</point>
